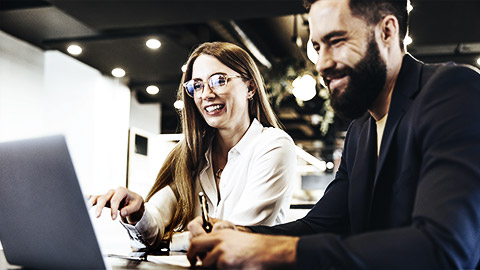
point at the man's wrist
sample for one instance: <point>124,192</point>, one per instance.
<point>282,252</point>
<point>243,229</point>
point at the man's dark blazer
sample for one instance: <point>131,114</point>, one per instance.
<point>418,205</point>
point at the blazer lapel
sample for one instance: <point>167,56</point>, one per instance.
<point>362,173</point>
<point>406,88</point>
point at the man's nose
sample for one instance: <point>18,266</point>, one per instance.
<point>325,60</point>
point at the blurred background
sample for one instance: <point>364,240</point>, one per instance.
<point>114,34</point>
<point>106,72</point>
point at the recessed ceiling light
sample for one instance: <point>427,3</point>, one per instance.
<point>153,43</point>
<point>478,61</point>
<point>152,90</point>
<point>74,49</point>
<point>118,72</point>
<point>408,40</point>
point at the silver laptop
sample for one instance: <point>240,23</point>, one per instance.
<point>44,221</point>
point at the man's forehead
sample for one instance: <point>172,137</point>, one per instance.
<point>328,15</point>
<point>325,7</point>
<point>344,3</point>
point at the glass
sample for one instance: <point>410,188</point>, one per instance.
<point>217,82</point>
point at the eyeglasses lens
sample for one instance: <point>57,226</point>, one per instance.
<point>214,82</point>
<point>194,85</point>
<point>217,80</point>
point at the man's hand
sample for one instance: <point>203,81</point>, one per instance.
<point>129,203</point>
<point>239,250</point>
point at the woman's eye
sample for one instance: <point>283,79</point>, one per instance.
<point>217,80</point>
<point>197,85</point>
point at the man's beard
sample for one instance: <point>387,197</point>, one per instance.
<point>367,80</point>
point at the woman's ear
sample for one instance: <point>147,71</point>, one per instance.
<point>252,88</point>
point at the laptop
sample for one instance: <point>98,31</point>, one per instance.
<point>44,220</point>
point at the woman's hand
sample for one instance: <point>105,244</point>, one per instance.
<point>129,203</point>
<point>196,229</point>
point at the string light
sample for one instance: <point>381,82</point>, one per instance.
<point>304,87</point>
<point>408,40</point>
<point>409,6</point>
<point>178,105</point>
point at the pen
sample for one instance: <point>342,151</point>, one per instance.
<point>207,226</point>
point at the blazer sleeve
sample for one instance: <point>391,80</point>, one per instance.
<point>445,227</point>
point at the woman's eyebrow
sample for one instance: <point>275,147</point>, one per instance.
<point>217,72</point>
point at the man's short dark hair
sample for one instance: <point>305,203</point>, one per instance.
<point>373,11</point>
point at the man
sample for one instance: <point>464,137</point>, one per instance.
<point>407,193</point>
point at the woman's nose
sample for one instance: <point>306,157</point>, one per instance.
<point>207,92</point>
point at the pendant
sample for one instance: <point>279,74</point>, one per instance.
<point>218,173</point>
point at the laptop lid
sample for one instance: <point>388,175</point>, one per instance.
<point>44,221</point>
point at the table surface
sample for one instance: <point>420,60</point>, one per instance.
<point>115,264</point>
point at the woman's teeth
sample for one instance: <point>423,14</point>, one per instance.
<point>214,108</point>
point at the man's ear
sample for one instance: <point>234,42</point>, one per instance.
<point>389,30</point>
<point>252,88</point>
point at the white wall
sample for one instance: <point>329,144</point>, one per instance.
<point>21,89</point>
<point>43,93</point>
<point>146,117</point>
<point>143,169</point>
<point>50,93</point>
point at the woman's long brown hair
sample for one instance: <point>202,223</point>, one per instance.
<point>184,162</point>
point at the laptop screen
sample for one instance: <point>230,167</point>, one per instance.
<point>44,218</point>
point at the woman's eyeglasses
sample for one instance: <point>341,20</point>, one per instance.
<point>217,83</point>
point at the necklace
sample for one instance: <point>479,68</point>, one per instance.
<point>218,173</point>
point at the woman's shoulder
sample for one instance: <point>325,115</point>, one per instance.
<point>271,136</point>
<point>275,133</point>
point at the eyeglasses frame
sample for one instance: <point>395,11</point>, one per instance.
<point>227,78</point>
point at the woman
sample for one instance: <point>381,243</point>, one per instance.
<point>233,151</point>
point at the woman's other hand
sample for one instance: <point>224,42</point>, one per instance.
<point>130,205</point>
<point>196,226</point>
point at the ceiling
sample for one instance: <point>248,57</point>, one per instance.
<point>113,33</point>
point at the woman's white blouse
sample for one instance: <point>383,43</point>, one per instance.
<point>255,187</point>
